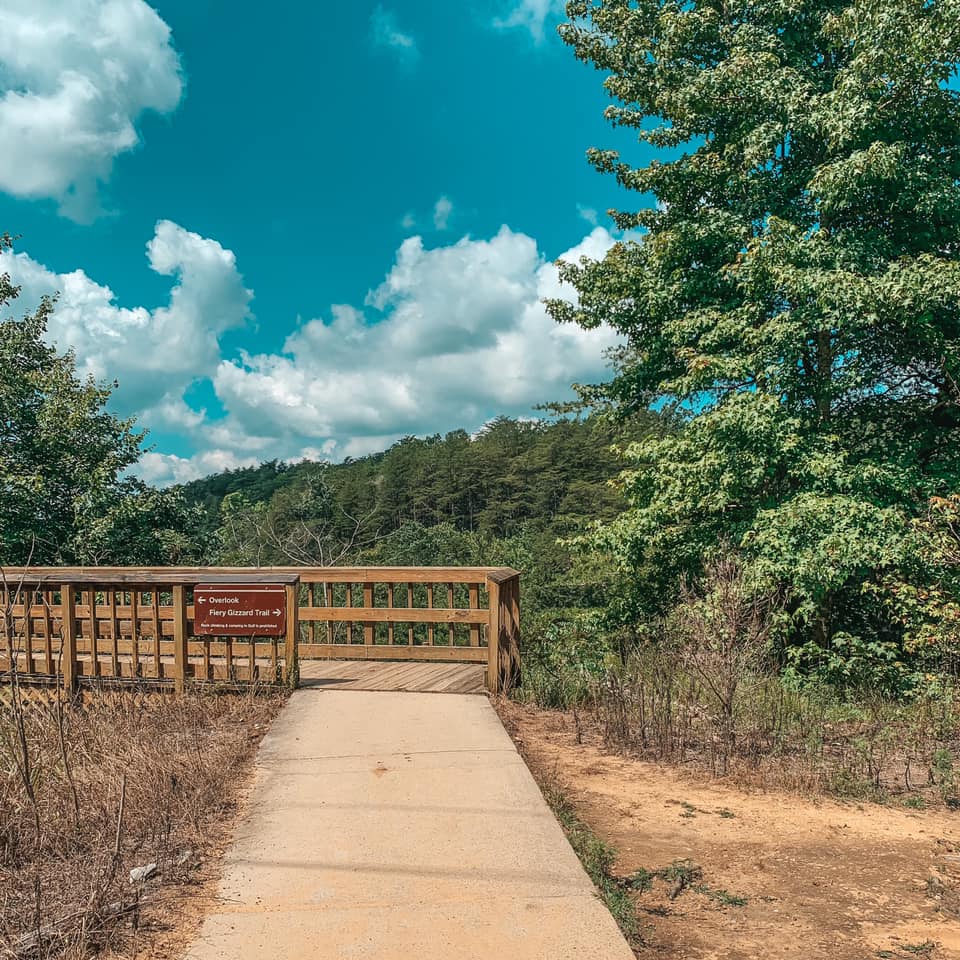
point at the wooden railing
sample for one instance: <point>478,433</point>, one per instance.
<point>123,623</point>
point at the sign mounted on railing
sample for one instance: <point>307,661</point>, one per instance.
<point>246,610</point>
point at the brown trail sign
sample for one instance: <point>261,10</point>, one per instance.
<point>240,611</point>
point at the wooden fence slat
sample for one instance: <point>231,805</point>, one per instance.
<point>493,638</point>
<point>180,631</point>
<point>450,634</point>
<point>155,622</point>
<point>291,658</point>
<point>48,636</point>
<point>135,631</point>
<point>27,644</point>
<point>430,606</point>
<point>68,646</point>
<point>368,604</point>
<point>411,638</point>
<point>474,602</point>
<point>390,626</point>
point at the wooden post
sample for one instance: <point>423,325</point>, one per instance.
<point>68,649</point>
<point>293,635</point>
<point>368,603</point>
<point>474,603</point>
<point>493,637</point>
<point>513,660</point>
<point>180,629</point>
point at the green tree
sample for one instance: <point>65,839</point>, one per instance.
<point>794,295</point>
<point>64,497</point>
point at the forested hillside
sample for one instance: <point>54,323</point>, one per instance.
<point>511,473</point>
<point>513,493</point>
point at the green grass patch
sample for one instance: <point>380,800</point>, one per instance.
<point>597,858</point>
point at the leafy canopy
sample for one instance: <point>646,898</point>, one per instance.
<point>794,294</point>
<point>63,494</point>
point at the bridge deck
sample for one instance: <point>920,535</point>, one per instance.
<point>407,677</point>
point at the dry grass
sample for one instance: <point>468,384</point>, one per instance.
<point>96,787</point>
<point>776,738</point>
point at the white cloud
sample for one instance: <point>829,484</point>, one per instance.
<point>464,335</point>
<point>589,214</point>
<point>386,33</point>
<point>531,15</point>
<point>454,335</point>
<point>162,469</point>
<point>155,354</point>
<point>441,213</point>
<point>74,79</point>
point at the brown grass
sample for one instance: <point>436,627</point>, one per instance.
<point>93,788</point>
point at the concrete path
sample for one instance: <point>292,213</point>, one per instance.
<point>400,826</point>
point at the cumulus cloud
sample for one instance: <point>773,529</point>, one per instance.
<point>531,15</point>
<point>462,335</point>
<point>74,79</point>
<point>163,469</point>
<point>454,335</point>
<point>386,33</point>
<point>154,354</point>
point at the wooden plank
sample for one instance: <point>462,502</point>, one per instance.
<point>114,630</point>
<point>190,576</point>
<point>155,624</point>
<point>493,638</point>
<point>328,602</point>
<point>411,637</point>
<point>430,606</point>
<point>68,655</point>
<point>292,671</point>
<point>474,602</point>
<point>450,634</point>
<point>368,605</point>
<point>94,637</point>
<point>390,626</point>
<point>27,646</point>
<point>48,636</point>
<point>384,675</point>
<point>394,615</point>
<point>181,628</point>
<point>347,651</point>
<point>348,602</point>
<point>135,630</point>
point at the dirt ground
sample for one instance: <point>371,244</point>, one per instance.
<point>821,879</point>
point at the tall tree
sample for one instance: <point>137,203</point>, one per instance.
<point>63,493</point>
<point>794,293</point>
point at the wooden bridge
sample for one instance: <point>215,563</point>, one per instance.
<point>82,625</point>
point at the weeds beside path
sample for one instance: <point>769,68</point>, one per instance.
<point>93,790</point>
<point>717,872</point>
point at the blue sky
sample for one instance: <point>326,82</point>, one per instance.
<point>303,229</point>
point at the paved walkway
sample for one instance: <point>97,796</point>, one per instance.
<point>400,826</point>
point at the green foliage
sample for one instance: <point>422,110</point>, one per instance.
<point>598,859</point>
<point>64,497</point>
<point>503,497</point>
<point>794,297</point>
<point>566,653</point>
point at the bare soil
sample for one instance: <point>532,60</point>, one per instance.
<point>821,879</point>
